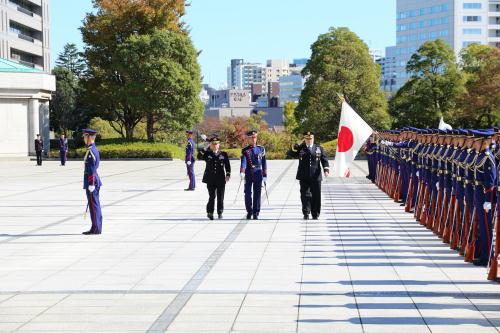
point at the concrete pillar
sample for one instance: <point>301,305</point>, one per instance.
<point>45,124</point>
<point>33,123</point>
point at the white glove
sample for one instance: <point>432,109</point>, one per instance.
<point>437,185</point>
<point>204,137</point>
<point>264,179</point>
<point>242,175</point>
<point>418,173</point>
<point>487,206</point>
<point>188,162</point>
<point>91,188</point>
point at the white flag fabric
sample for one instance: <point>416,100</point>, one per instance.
<point>353,132</point>
<point>443,125</point>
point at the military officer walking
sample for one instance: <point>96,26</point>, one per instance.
<point>92,182</point>
<point>311,158</point>
<point>189,160</point>
<point>63,149</point>
<point>217,174</point>
<point>38,149</point>
<point>254,171</point>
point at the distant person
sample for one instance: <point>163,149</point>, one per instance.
<point>254,172</point>
<point>311,158</point>
<point>189,159</point>
<point>217,174</point>
<point>63,149</point>
<point>38,149</point>
<point>92,182</point>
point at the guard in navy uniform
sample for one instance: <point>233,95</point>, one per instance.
<point>189,159</point>
<point>254,171</point>
<point>311,158</point>
<point>92,182</point>
<point>38,149</point>
<point>217,174</point>
<point>484,195</point>
<point>63,149</point>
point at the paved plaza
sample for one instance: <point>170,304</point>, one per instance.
<point>161,265</point>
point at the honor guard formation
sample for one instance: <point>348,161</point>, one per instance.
<point>449,180</point>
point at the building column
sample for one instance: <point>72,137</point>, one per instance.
<point>45,124</point>
<point>33,123</point>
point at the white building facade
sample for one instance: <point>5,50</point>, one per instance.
<point>458,22</point>
<point>25,32</point>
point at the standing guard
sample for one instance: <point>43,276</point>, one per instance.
<point>189,160</point>
<point>311,158</point>
<point>63,149</point>
<point>254,171</point>
<point>92,182</point>
<point>217,174</point>
<point>39,149</point>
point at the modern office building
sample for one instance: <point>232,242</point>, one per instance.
<point>458,22</point>
<point>388,68</point>
<point>25,32</point>
<point>291,86</point>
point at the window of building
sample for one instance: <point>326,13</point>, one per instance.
<point>443,33</point>
<point>465,44</point>
<point>472,5</point>
<point>422,36</point>
<point>472,31</point>
<point>472,18</point>
<point>433,34</point>
<point>444,20</point>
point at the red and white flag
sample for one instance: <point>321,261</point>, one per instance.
<point>353,132</point>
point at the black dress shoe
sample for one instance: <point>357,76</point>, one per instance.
<point>306,217</point>
<point>315,217</point>
<point>249,216</point>
<point>189,189</point>
<point>210,216</point>
<point>478,262</point>
<point>220,216</point>
<point>90,232</point>
<point>255,217</point>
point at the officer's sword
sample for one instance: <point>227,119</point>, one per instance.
<point>237,192</point>
<point>86,210</point>
<point>265,189</point>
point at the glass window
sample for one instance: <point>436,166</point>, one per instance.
<point>413,37</point>
<point>472,5</point>
<point>472,31</point>
<point>472,18</point>
<point>423,11</point>
<point>443,33</point>
<point>444,8</point>
<point>444,20</point>
<point>465,44</point>
<point>433,34</point>
<point>413,25</point>
<point>434,22</point>
<point>422,36</point>
<point>413,13</point>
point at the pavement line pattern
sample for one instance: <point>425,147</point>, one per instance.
<point>10,238</point>
<point>175,307</point>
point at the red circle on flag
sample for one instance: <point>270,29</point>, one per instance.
<point>346,139</point>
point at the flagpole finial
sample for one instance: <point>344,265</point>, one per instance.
<point>341,97</point>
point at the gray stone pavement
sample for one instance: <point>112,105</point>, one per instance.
<point>159,265</point>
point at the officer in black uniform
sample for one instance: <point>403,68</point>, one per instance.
<point>217,174</point>
<point>311,158</point>
<point>39,149</point>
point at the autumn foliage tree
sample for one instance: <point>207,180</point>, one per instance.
<point>479,106</point>
<point>113,24</point>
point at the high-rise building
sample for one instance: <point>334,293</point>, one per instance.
<point>458,22</point>
<point>24,32</point>
<point>388,67</point>
<point>241,75</point>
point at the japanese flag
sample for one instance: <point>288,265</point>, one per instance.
<point>353,132</point>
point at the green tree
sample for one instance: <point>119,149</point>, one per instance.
<point>433,89</point>
<point>62,106</point>
<point>161,71</point>
<point>479,106</point>
<point>340,64</point>
<point>71,59</point>
<point>103,31</point>
<point>289,114</point>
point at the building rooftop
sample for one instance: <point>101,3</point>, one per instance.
<point>11,66</point>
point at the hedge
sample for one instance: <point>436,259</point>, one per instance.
<point>129,150</point>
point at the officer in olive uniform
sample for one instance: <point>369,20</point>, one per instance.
<point>311,158</point>
<point>217,174</point>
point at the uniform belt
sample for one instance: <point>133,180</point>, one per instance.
<point>446,172</point>
<point>440,171</point>
<point>459,179</point>
<point>477,183</point>
<point>256,166</point>
<point>453,176</point>
<point>466,181</point>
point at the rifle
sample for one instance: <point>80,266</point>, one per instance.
<point>409,196</point>
<point>465,227</point>
<point>492,268</point>
<point>470,248</point>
